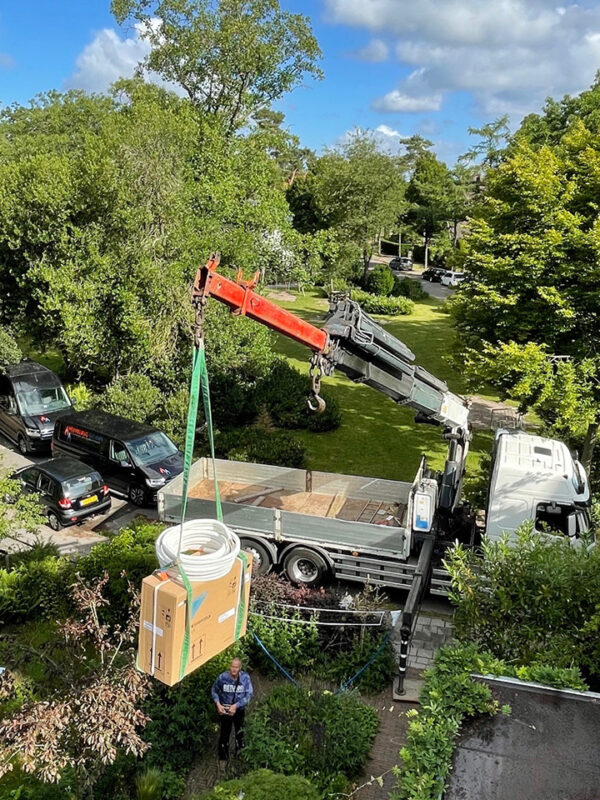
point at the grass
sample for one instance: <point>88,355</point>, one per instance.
<point>378,438</point>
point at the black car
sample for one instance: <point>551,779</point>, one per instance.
<point>31,399</point>
<point>401,264</point>
<point>134,459</point>
<point>71,490</point>
<point>433,274</point>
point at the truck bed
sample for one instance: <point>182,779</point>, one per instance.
<point>317,504</point>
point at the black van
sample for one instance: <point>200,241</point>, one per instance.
<point>31,399</point>
<point>133,458</point>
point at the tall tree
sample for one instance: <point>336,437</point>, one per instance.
<point>431,193</point>
<point>230,57</point>
<point>360,191</point>
<point>531,305</point>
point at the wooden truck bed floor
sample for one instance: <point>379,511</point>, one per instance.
<point>312,503</point>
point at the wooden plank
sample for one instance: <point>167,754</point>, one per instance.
<point>336,505</point>
<point>351,510</point>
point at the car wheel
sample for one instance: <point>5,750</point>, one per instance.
<point>137,495</point>
<point>22,444</point>
<point>54,521</point>
<point>305,566</point>
<point>261,557</point>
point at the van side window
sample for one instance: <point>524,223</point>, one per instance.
<point>30,476</point>
<point>77,435</point>
<point>117,451</point>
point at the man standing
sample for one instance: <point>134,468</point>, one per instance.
<point>232,691</point>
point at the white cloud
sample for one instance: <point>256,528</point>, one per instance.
<point>106,59</point>
<point>510,54</point>
<point>376,51</point>
<point>396,101</point>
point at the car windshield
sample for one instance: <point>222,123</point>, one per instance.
<point>37,400</point>
<point>84,484</point>
<point>151,448</point>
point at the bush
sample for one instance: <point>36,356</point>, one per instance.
<point>372,304</point>
<point>133,396</point>
<point>35,588</point>
<point>380,281</point>
<point>409,288</point>
<point>128,556</point>
<point>283,394</point>
<point>532,602</point>
<point>82,396</point>
<point>320,736</point>
<point>263,785</point>
<point>257,445</point>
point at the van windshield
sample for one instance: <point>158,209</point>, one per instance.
<point>151,448</point>
<point>36,400</point>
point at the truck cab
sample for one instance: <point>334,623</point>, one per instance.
<point>534,478</point>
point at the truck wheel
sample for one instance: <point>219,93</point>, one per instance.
<point>54,521</point>
<point>306,566</point>
<point>137,495</point>
<point>22,443</point>
<point>262,560</point>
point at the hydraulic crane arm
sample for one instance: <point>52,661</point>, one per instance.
<point>353,343</point>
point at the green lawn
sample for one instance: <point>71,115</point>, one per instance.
<point>378,438</point>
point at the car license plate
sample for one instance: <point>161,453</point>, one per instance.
<point>89,500</point>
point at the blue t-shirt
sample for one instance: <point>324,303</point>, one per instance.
<point>228,690</point>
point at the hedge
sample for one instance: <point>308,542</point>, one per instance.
<point>375,304</point>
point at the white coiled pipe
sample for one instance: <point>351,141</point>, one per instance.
<point>208,548</point>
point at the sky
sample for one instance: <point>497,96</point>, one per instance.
<point>397,67</point>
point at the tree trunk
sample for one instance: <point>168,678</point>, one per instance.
<point>589,444</point>
<point>399,243</point>
<point>426,254</point>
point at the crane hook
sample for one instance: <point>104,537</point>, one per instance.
<point>314,401</point>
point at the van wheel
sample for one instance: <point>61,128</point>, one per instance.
<point>22,443</point>
<point>305,566</point>
<point>262,560</point>
<point>137,495</point>
<point>54,521</point>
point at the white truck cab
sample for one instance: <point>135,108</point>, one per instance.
<point>534,478</point>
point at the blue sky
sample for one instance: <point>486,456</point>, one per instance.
<point>433,67</point>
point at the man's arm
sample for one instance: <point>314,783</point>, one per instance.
<point>248,693</point>
<point>216,687</point>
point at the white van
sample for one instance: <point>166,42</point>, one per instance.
<point>537,479</point>
<point>452,279</point>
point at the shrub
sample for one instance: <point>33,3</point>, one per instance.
<point>319,736</point>
<point>35,588</point>
<point>257,445</point>
<point>380,281</point>
<point>264,785</point>
<point>372,304</point>
<point>10,352</point>
<point>409,288</point>
<point>128,556</point>
<point>82,396</point>
<point>535,601</point>
<point>283,393</point>
<point>133,396</point>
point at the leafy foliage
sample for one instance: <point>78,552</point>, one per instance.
<point>380,281</point>
<point>376,304</point>
<point>260,446</point>
<point>406,287</point>
<point>10,352</point>
<point>263,785</point>
<point>315,735</point>
<point>532,602</point>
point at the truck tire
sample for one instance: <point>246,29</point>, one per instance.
<point>305,566</point>
<point>262,560</point>
<point>22,444</point>
<point>137,495</point>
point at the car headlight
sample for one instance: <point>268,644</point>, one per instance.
<point>33,432</point>
<point>154,482</point>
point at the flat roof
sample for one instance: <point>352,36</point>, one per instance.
<point>524,453</point>
<point>108,424</point>
<point>28,367</point>
<point>64,467</point>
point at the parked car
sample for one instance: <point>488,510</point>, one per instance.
<point>70,490</point>
<point>433,274</point>
<point>134,459</point>
<point>401,264</point>
<point>451,278</point>
<point>31,399</point>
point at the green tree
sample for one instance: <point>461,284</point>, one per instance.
<point>359,191</point>
<point>10,352</point>
<point>533,259</point>
<point>432,195</point>
<point>232,57</point>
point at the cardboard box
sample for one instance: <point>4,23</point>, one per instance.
<point>219,616</point>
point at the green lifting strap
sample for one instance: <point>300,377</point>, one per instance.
<point>199,381</point>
